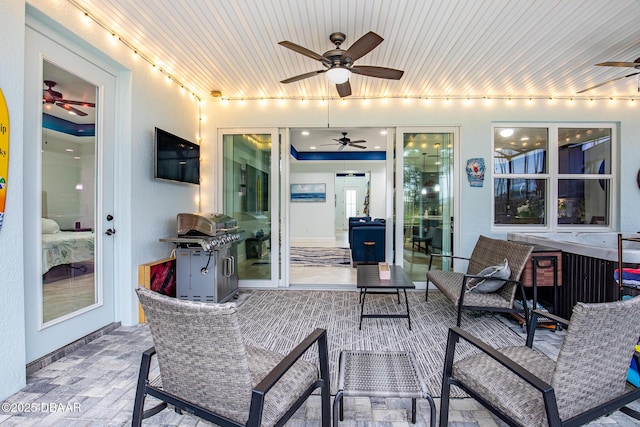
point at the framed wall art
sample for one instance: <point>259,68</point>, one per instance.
<point>308,192</point>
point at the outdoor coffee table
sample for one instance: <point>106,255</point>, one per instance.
<point>369,282</point>
<point>380,374</point>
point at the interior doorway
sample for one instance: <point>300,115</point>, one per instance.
<point>317,235</point>
<point>352,197</point>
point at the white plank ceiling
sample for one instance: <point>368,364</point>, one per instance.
<point>475,48</point>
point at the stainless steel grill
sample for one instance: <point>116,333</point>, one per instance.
<point>205,224</point>
<point>206,257</point>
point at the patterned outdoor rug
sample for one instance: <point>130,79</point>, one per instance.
<point>314,257</point>
<point>278,320</point>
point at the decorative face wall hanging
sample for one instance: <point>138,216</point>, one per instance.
<point>475,171</point>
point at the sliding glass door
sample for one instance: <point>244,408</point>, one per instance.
<point>250,182</point>
<point>424,212</point>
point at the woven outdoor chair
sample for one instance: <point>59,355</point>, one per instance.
<point>207,370</point>
<point>487,252</point>
<point>524,387</point>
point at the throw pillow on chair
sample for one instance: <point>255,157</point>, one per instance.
<point>493,278</point>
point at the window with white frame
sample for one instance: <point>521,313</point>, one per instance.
<point>552,176</point>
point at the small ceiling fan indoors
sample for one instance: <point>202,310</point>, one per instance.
<point>50,96</point>
<point>339,63</point>
<point>346,142</point>
<point>635,64</point>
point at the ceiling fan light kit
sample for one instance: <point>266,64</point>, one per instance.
<point>338,75</point>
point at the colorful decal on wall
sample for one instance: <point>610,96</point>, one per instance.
<point>475,171</point>
<point>4,154</point>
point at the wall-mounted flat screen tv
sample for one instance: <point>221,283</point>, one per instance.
<point>176,158</point>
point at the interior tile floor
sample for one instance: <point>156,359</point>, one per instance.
<point>95,386</point>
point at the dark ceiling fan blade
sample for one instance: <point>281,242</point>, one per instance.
<point>609,81</point>
<point>362,46</point>
<point>71,109</point>
<point>619,64</point>
<point>303,50</point>
<point>80,103</point>
<point>344,89</point>
<point>359,141</point>
<point>380,72</point>
<point>303,76</point>
<point>357,146</point>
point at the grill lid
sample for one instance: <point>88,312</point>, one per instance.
<point>204,224</point>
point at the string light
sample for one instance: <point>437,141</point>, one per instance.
<point>428,99</point>
<point>407,98</point>
<point>136,52</point>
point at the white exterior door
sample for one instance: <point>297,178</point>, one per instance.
<point>69,195</point>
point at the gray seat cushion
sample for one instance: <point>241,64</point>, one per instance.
<point>504,389</point>
<point>450,284</point>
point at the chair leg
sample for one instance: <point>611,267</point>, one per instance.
<point>432,412</point>
<point>337,408</point>
<point>325,393</point>
<point>527,317</point>
<point>446,385</point>
<point>459,315</point>
<point>138,405</point>
<point>444,403</point>
<point>325,397</point>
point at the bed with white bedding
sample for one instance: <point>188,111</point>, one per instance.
<point>65,247</point>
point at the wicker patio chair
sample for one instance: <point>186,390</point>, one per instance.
<point>487,252</point>
<point>208,371</point>
<point>524,387</point>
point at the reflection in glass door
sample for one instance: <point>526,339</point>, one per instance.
<point>427,202</point>
<point>247,182</point>
<point>68,194</point>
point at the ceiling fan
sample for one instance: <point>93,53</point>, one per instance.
<point>339,63</point>
<point>346,142</point>
<point>635,64</point>
<point>50,96</point>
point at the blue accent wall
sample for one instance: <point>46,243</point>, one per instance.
<point>65,126</point>
<point>338,155</point>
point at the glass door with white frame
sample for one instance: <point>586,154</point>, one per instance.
<point>69,281</point>
<point>249,177</point>
<point>425,158</point>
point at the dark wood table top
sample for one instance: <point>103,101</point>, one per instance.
<point>368,277</point>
